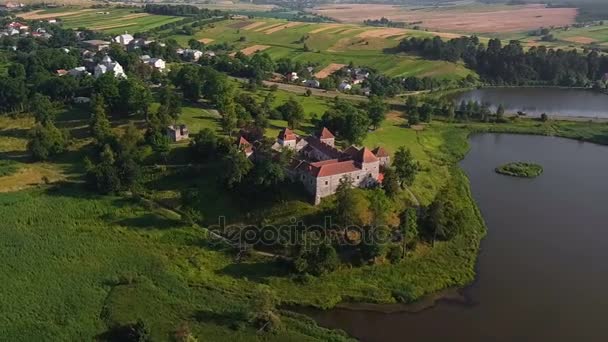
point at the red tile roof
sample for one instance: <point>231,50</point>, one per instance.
<point>287,135</point>
<point>326,134</point>
<point>380,152</point>
<point>366,156</point>
<point>328,150</point>
<point>245,145</point>
<point>332,167</point>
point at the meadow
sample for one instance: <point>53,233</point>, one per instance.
<point>110,20</point>
<point>77,266</point>
<point>328,43</point>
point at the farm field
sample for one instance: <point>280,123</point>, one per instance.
<point>465,19</point>
<point>328,44</point>
<point>116,21</point>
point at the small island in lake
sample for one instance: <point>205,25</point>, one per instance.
<point>520,169</point>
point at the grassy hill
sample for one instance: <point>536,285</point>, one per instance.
<point>328,43</point>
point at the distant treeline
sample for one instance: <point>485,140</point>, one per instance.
<point>383,22</point>
<point>182,11</point>
<point>510,64</point>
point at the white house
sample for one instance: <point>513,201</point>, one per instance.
<point>345,86</point>
<point>158,63</point>
<point>292,76</point>
<point>123,39</point>
<point>190,54</point>
<point>108,65</point>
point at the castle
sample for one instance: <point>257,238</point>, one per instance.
<point>320,166</point>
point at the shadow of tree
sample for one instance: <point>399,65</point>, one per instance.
<point>231,319</point>
<point>258,272</point>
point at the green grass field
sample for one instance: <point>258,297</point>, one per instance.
<point>116,21</point>
<point>336,44</point>
<point>75,265</point>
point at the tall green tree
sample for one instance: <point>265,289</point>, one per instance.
<point>293,112</point>
<point>42,108</point>
<point>376,110</point>
<point>405,166</point>
<point>100,126</point>
<point>236,166</point>
<point>390,183</point>
<point>46,140</point>
<point>408,228</point>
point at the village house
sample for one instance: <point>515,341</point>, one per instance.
<point>312,83</point>
<point>124,39</point>
<point>78,71</point>
<point>177,133</point>
<point>245,146</point>
<point>138,43</point>
<point>17,26</point>
<point>108,65</point>
<point>292,76</point>
<point>96,44</point>
<point>190,54</point>
<point>157,63</point>
<point>345,86</point>
<point>320,166</point>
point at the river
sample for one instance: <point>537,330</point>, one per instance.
<point>535,101</point>
<point>543,268</point>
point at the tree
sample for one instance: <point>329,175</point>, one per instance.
<point>426,112</point>
<point>107,86</point>
<point>229,118</point>
<point>346,121</point>
<point>103,177</point>
<point>379,205</point>
<point>46,140</point>
<point>314,256</point>
<point>217,88</point>
<point>405,166</point>
<point>544,117</point>
<point>411,103</point>
<point>352,207</point>
<point>13,93</point>
<point>376,110</point>
<point>444,218</point>
<point>135,97</point>
<point>190,82</point>
<point>292,111</point>
<point>100,127</point>
<point>375,242</point>
<point>42,108</point>
<point>500,112</point>
<point>390,183</point>
<point>204,145</point>
<point>413,118</point>
<point>408,227</point>
<point>170,106</point>
<point>236,166</point>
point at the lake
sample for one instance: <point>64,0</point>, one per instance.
<point>535,101</point>
<point>542,270</point>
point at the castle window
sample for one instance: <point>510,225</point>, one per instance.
<point>326,183</point>
<point>357,177</point>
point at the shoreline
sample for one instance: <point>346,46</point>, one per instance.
<point>451,295</point>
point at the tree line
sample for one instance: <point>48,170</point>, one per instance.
<point>511,64</point>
